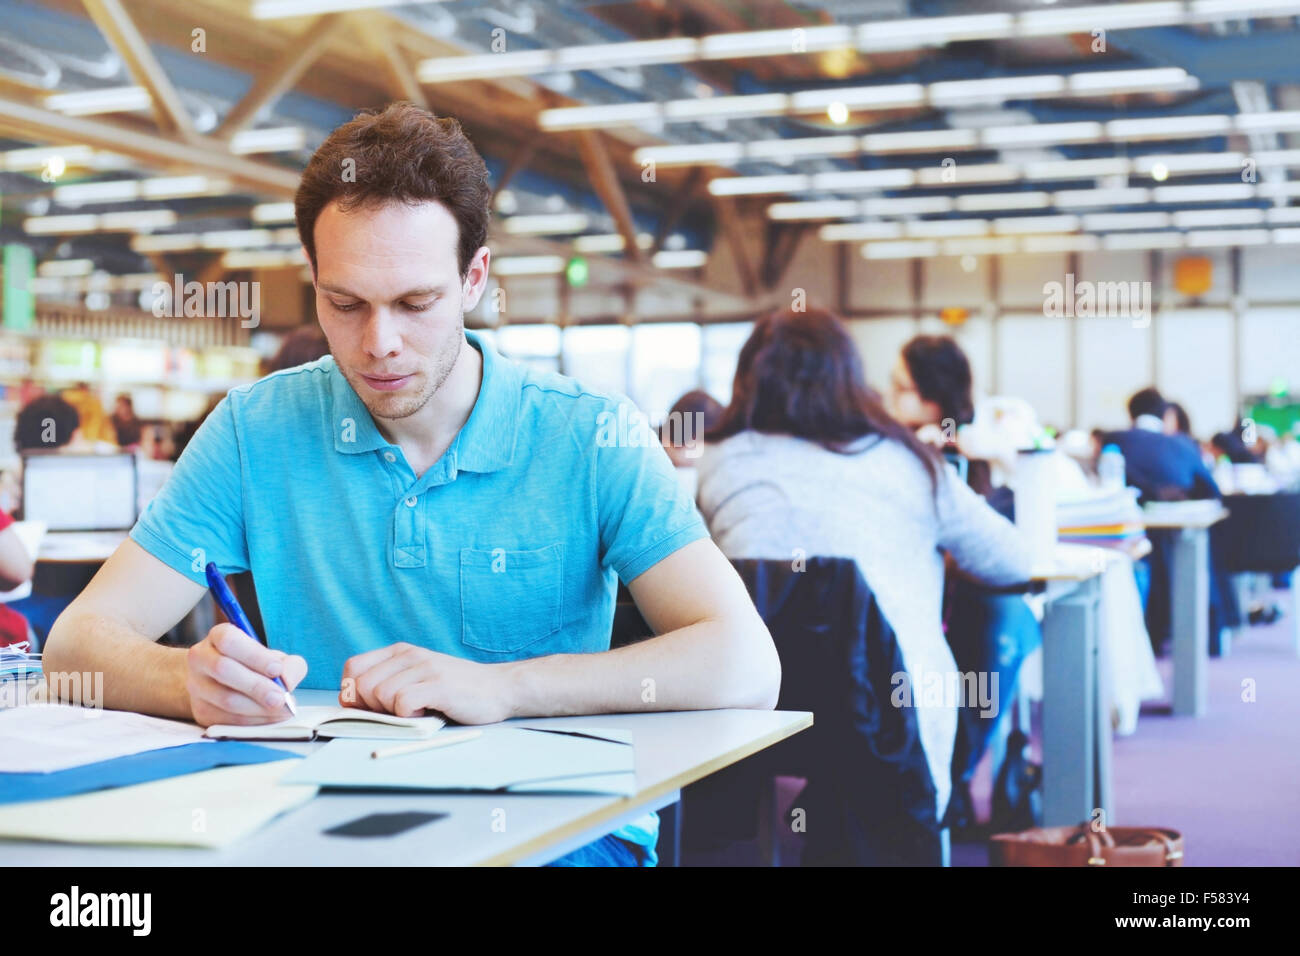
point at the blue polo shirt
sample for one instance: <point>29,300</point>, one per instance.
<point>510,546</point>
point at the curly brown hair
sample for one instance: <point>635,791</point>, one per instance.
<point>400,154</point>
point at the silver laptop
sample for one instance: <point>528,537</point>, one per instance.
<point>71,491</point>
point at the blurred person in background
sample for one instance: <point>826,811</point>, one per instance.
<point>126,426</point>
<point>682,434</point>
<point>46,423</point>
<point>806,460</point>
<point>1162,467</point>
<point>96,426</point>
<point>302,345</point>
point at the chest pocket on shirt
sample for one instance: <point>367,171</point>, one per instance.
<point>510,599</point>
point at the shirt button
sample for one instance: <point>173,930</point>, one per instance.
<point>410,502</point>
<point>389,456</point>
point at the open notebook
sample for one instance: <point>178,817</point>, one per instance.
<point>313,722</point>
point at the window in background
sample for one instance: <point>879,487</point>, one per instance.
<point>665,365</point>
<point>596,355</point>
<point>721,349</point>
<point>535,345</point>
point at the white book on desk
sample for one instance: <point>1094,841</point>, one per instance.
<point>332,722</point>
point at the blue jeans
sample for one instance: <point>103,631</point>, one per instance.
<point>609,850</point>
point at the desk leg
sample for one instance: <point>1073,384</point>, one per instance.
<point>1189,618</point>
<point>1069,707</point>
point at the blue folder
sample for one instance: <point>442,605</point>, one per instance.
<point>135,768</point>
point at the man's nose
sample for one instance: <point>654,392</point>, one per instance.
<point>382,337</point>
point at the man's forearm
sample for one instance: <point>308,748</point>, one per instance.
<point>138,674</point>
<point>704,666</point>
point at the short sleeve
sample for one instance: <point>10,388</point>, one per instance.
<point>645,513</point>
<point>198,516</point>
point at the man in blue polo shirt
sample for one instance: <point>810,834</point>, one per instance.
<point>429,526</point>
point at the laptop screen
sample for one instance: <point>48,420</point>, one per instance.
<point>74,492</point>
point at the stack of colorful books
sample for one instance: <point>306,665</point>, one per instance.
<point>1101,517</point>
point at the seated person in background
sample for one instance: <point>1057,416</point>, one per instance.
<point>96,426</point>
<point>1169,468</point>
<point>1162,467</point>
<point>806,461</point>
<point>682,434</point>
<point>46,423</point>
<point>430,527</point>
<point>127,427</point>
<point>1234,447</point>
<point>931,385</point>
<point>304,344</point>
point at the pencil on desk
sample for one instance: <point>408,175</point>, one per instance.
<point>442,740</point>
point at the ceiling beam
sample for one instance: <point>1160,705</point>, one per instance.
<point>202,155</point>
<point>280,77</point>
<point>677,207</point>
<point>605,181</point>
<point>401,78</point>
<point>123,36</point>
<point>734,233</point>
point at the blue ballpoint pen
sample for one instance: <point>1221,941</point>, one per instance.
<point>235,614</point>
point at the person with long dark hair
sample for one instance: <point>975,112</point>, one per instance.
<point>806,460</point>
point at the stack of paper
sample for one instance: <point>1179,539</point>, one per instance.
<point>1105,518</point>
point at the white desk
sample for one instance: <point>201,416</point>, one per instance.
<point>672,750</point>
<point>1189,597</point>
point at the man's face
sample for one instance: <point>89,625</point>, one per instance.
<point>905,402</point>
<point>391,301</point>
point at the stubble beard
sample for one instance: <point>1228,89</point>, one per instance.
<point>393,407</point>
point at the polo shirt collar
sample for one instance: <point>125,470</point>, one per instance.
<point>485,443</point>
<point>1149,423</point>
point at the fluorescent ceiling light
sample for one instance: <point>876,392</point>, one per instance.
<point>906,205</point>
<point>979,247</point>
<point>691,154</point>
<point>1192,218</point>
<point>960,175</point>
<point>1286,235</point>
<point>557,224</point>
<point>59,225</point>
<point>935,140</point>
<point>36,158</point>
<point>724,107</point>
<point>595,117</point>
<point>995,89</point>
<point>273,212</point>
<point>275,140</point>
<point>1219,192</point>
<point>119,99</point>
<point>725,46</point>
<point>1077,168</point>
<point>1031,224</point>
<point>679,259</point>
<point>172,242</point>
<point>825,209</point>
<point>1188,162</point>
<point>1131,81</point>
<point>758,185</point>
<point>263,258</point>
<point>899,250</point>
<point>932,31</point>
<point>985,202</point>
<point>864,179</point>
<point>1143,240</point>
<point>1279,190</point>
<point>1239,9</point>
<point>528,265</point>
<point>115,190</point>
<point>1272,121</point>
<point>785,149</point>
<point>1071,198</point>
<point>1171,127</point>
<point>137,219</point>
<point>235,239</point>
<point>174,187</point>
<point>274,9</point>
<point>858,231</point>
<point>597,56</point>
<point>1062,243</point>
<point>1283,214</point>
<point>1118,221</point>
<point>609,242</point>
<point>883,96</point>
<point>1228,237</point>
<point>1037,134</point>
<point>65,267</point>
<point>1278,157</point>
<point>941,228</point>
<point>1108,16</point>
<point>485,66</point>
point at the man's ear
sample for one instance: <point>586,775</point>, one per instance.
<point>476,277</point>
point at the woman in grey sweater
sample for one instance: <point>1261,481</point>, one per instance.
<point>805,462</point>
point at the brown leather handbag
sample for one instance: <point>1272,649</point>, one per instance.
<point>1083,846</point>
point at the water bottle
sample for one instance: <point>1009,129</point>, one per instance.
<point>1110,468</point>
